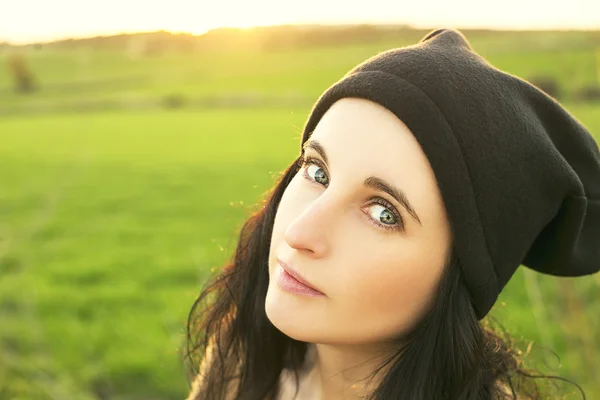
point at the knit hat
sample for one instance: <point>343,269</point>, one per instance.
<point>519,175</point>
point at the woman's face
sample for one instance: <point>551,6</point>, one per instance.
<point>376,263</point>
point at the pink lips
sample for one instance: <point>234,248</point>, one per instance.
<point>292,282</point>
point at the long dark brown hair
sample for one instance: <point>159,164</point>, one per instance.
<point>234,352</point>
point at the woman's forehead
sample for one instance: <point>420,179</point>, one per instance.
<point>358,121</point>
<point>366,131</point>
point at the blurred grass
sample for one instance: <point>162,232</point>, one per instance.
<point>110,222</point>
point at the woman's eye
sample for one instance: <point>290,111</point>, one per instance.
<point>317,174</point>
<point>382,215</point>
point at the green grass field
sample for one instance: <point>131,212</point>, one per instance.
<point>111,221</point>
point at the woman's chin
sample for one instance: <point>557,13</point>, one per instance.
<point>288,314</point>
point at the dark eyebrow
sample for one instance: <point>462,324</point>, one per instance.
<point>372,182</point>
<point>379,184</point>
<point>316,146</point>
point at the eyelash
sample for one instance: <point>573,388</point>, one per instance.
<point>304,161</point>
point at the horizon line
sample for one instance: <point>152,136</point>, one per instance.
<point>199,33</point>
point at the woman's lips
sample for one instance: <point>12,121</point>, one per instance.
<point>292,282</point>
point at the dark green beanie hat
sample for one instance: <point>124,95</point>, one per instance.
<point>519,175</point>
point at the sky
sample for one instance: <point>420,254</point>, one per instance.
<point>26,21</point>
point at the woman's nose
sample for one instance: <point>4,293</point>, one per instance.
<point>311,230</point>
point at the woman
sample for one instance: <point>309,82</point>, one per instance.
<point>425,178</point>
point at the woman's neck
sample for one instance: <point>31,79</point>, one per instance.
<point>343,372</point>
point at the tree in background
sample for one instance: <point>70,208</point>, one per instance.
<point>22,75</point>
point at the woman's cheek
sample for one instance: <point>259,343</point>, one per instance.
<point>381,281</point>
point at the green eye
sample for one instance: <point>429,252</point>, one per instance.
<point>382,215</point>
<point>319,175</point>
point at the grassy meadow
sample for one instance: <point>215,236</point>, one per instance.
<point>111,220</point>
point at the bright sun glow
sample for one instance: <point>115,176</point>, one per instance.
<point>33,20</point>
